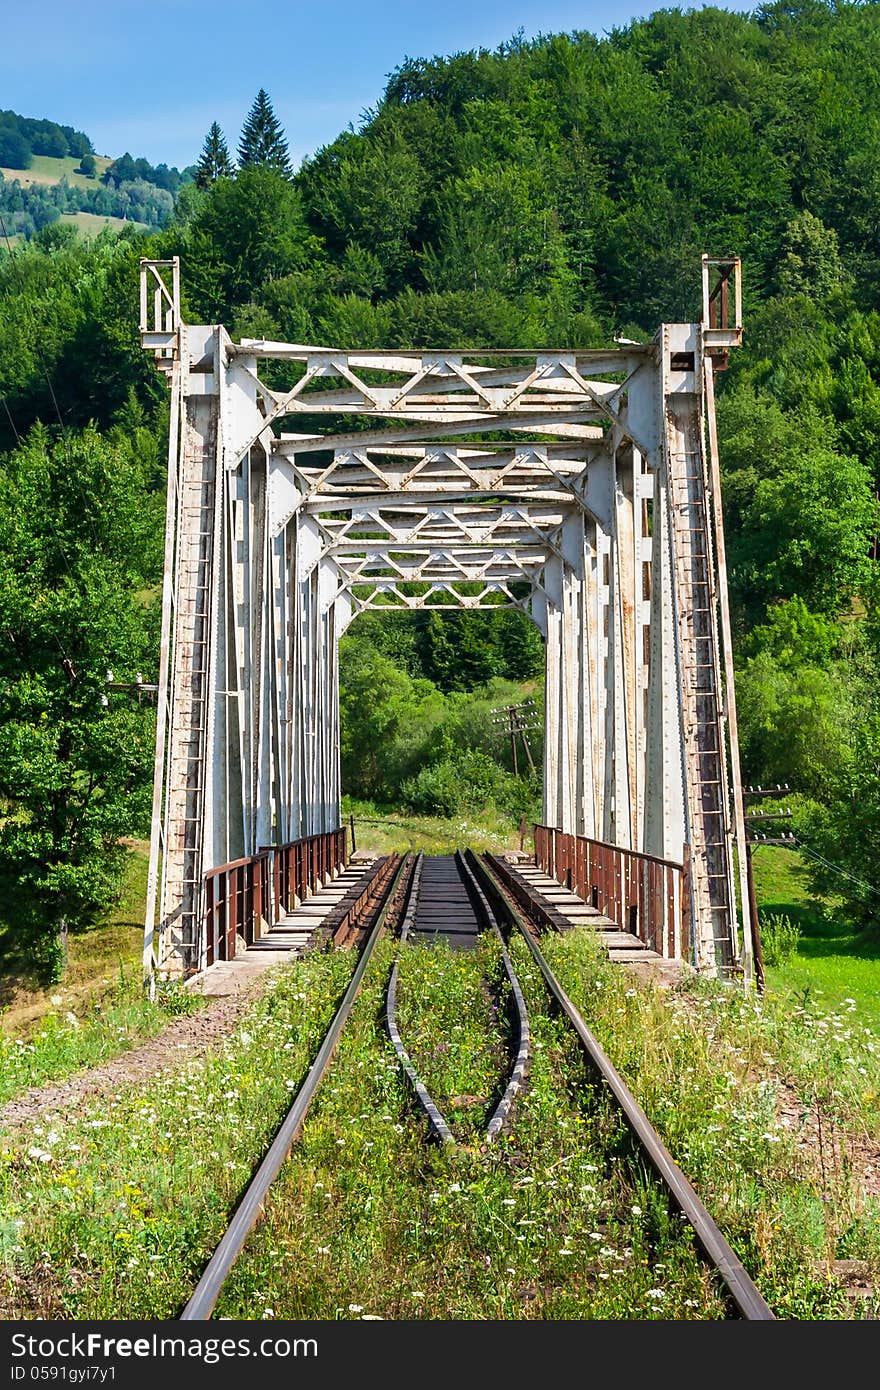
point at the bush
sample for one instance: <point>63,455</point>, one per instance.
<point>779,937</point>
<point>464,782</point>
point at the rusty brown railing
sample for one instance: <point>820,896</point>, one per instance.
<point>237,896</point>
<point>243,894</point>
<point>302,866</point>
<point>643,894</point>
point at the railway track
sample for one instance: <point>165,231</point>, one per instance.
<point>454,899</point>
<point>446,902</point>
<point>743,1291</point>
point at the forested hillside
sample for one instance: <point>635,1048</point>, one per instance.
<point>558,193</point>
<point>47,170</point>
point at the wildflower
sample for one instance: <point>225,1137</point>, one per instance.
<point>355,1307</point>
<point>636,1211</point>
<point>268,1313</point>
<point>654,1293</point>
<point>416,1294</point>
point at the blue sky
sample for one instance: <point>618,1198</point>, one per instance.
<point>150,76</point>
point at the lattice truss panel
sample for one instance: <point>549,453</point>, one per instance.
<point>308,485</point>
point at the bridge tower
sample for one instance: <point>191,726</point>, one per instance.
<point>581,487</point>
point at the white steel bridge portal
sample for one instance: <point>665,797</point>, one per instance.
<point>581,487</point>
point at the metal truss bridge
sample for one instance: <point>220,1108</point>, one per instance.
<point>309,484</point>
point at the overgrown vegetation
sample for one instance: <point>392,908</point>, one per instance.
<point>119,1209</point>
<point>779,938</point>
<point>452,1016</point>
<point>68,1042</point>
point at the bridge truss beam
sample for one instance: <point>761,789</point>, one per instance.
<point>580,487</point>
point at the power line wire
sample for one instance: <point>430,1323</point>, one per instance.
<point>836,868</point>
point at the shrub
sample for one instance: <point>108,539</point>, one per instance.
<point>779,937</point>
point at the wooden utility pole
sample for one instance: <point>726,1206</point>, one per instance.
<point>517,720</point>
<point>751,817</point>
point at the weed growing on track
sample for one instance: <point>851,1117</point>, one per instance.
<point>451,1012</point>
<point>761,1108</point>
<point>556,1221</point>
<point>115,1213</point>
<point>64,1043</point>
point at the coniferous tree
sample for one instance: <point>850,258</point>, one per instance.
<point>262,139</point>
<point>214,162</point>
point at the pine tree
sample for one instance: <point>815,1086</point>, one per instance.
<point>214,162</point>
<point>262,139</point>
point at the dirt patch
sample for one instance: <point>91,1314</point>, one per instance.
<point>180,1042</point>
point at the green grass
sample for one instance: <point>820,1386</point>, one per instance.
<point>91,223</point>
<point>98,1009</point>
<point>833,969</point>
<point>451,1012</point>
<point>388,830</point>
<point>65,1042</point>
<point>114,1213</point>
<point>96,961</point>
<point>711,1067</point>
<point>558,1221</point>
<point>45,169</point>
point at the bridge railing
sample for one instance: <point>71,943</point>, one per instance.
<point>643,894</point>
<point>302,866</point>
<point>242,896</point>
<point>237,896</point>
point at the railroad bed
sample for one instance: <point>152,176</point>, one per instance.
<point>444,910</point>
<point>570,1113</point>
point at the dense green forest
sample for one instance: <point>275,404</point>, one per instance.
<point>21,137</point>
<point>552,193</point>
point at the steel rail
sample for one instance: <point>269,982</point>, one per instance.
<point>207,1291</point>
<point>523,1054</point>
<point>743,1291</point>
<point>438,1124</point>
<point>437,1121</point>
